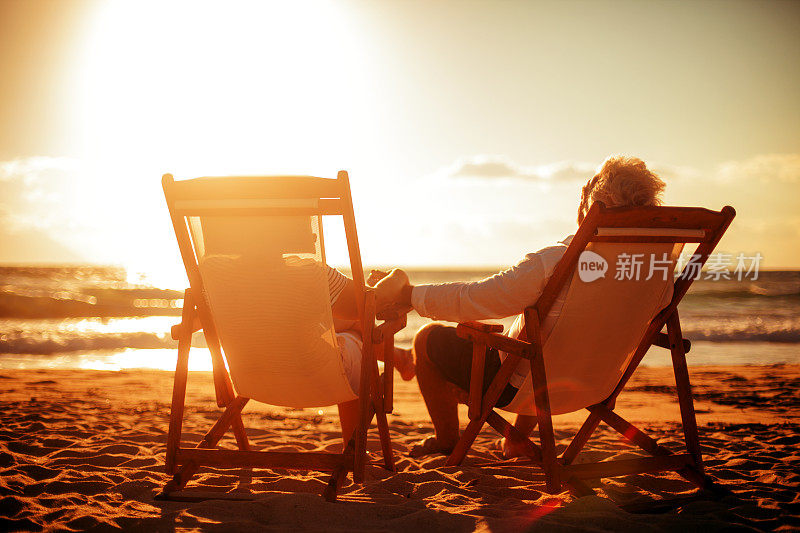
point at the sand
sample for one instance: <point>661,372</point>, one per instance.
<point>84,450</point>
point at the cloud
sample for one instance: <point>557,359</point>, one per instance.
<point>776,168</point>
<point>765,168</point>
<point>58,200</point>
<point>32,190</point>
<point>499,167</point>
<point>674,172</point>
<point>567,171</point>
<point>487,166</point>
<point>34,168</point>
<point>29,220</point>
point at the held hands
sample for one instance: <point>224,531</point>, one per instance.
<point>375,276</point>
<point>389,289</point>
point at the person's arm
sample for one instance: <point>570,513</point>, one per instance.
<point>344,304</point>
<point>343,292</point>
<point>344,310</point>
<point>343,301</point>
<point>504,294</point>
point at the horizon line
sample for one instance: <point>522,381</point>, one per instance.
<point>431,267</point>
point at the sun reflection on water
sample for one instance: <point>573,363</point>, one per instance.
<point>130,359</point>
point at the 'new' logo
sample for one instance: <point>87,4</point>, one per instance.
<point>591,266</point>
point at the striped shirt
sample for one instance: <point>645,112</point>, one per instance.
<point>336,283</point>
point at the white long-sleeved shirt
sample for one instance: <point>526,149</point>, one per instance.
<point>504,294</point>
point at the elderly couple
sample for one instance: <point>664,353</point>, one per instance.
<point>440,359</point>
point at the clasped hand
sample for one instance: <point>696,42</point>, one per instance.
<point>388,289</point>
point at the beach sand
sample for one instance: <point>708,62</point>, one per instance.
<point>84,450</point>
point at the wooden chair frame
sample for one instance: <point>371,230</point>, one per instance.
<point>330,197</point>
<point>695,225</point>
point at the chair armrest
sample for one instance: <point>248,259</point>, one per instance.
<point>483,336</point>
<point>383,334</point>
<point>480,326</point>
<point>395,311</point>
<point>179,329</point>
<point>495,340</point>
<point>662,340</point>
<point>475,399</point>
<point>388,328</point>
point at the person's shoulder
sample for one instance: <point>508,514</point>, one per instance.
<point>556,250</point>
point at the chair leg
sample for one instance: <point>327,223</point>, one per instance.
<point>489,400</point>
<point>581,438</point>
<point>576,486</point>
<point>178,399</point>
<point>364,393</point>
<point>630,432</point>
<point>338,475</point>
<point>684,389</point>
<point>542,400</point>
<point>386,443</point>
<point>360,441</point>
<point>465,442</point>
<point>549,459</point>
<point>185,473</point>
<point>513,434</point>
<point>651,446</point>
<point>334,483</point>
<point>179,385</point>
<point>388,374</point>
<point>238,431</point>
<point>379,405</point>
<point>229,416</point>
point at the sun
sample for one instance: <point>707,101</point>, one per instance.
<point>198,89</point>
<point>206,89</point>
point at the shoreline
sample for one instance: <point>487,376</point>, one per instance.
<point>704,355</point>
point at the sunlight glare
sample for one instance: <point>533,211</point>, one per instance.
<point>197,89</point>
<point>207,90</point>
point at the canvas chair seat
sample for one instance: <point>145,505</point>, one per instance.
<point>586,351</point>
<point>276,329</point>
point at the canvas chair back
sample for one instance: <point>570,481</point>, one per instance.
<point>597,338</point>
<point>267,286</point>
<point>602,322</point>
<point>259,262</point>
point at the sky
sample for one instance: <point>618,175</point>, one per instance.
<point>468,128</point>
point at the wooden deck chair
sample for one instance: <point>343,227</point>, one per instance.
<point>254,254</point>
<point>605,327</point>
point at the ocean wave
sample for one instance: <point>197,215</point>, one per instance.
<point>54,342</point>
<point>49,344</point>
<point>82,273</point>
<point>752,292</point>
<point>19,302</point>
<point>96,302</point>
<point>789,335</point>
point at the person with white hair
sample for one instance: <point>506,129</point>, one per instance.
<point>443,360</point>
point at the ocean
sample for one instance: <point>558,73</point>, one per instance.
<point>94,317</point>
